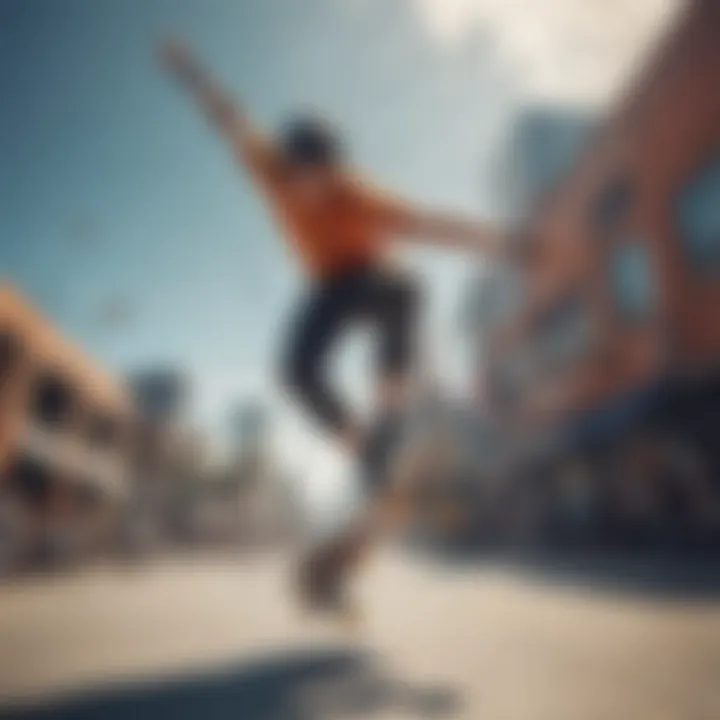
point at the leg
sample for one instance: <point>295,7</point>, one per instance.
<point>397,301</point>
<point>391,302</point>
<point>396,306</point>
<point>312,337</point>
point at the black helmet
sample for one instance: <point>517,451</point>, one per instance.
<point>310,141</point>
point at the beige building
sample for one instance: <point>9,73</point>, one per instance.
<point>64,438</point>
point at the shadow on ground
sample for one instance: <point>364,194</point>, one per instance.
<point>673,576</point>
<point>681,577</point>
<point>312,685</point>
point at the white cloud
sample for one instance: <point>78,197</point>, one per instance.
<point>569,49</point>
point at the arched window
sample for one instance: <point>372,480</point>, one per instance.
<point>631,280</point>
<point>612,206</point>
<point>699,219</point>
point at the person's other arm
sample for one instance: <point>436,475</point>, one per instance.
<point>249,145</point>
<point>428,227</point>
<point>447,230</point>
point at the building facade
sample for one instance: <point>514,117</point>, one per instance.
<point>615,325</point>
<point>64,436</point>
<point>621,281</point>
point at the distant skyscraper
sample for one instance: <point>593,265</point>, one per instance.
<point>161,394</point>
<point>248,425</point>
<point>540,148</point>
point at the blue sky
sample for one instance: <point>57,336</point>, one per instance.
<point>124,218</point>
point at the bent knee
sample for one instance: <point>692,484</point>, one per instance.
<point>297,375</point>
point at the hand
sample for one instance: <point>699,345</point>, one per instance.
<point>178,59</point>
<point>491,242</point>
<point>474,237</point>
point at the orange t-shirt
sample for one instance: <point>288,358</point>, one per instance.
<point>348,229</point>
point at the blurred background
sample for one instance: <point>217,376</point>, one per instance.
<point>154,482</point>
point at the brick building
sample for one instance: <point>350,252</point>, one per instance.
<point>616,322</point>
<point>621,282</point>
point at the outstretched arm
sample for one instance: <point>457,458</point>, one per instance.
<point>227,116</point>
<point>445,230</point>
<point>428,227</point>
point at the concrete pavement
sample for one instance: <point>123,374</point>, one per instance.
<point>220,637</point>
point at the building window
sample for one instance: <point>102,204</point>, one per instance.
<point>9,355</point>
<point>699,217</point>
<point>30,480</point>
<point>564,334</point>
<point>102,430</point>
<point>631,281</point>
<point>52,401</point>
<point>612,206</point>
<point>561,338</point>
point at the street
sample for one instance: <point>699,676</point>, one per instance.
<point>219,637</point>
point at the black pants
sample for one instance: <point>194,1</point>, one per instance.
<point>384,297</point>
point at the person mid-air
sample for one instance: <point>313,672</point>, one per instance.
<point>341,228</point>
